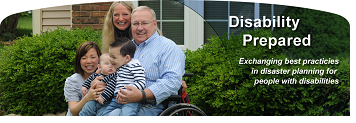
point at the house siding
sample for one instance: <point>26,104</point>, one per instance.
<point>55,16</point>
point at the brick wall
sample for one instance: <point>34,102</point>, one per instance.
<point>89,14</point>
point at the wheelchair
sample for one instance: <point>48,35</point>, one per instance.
<point>180,109</point>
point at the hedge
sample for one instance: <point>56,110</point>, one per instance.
<point>222,86</point>
<point>330,33</point>
<point>34,69</point>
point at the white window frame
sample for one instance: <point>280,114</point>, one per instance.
<point>256,15</point>
<point>193,28</point>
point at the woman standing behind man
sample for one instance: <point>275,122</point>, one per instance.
<point>117,23</point>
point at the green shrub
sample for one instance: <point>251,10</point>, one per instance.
<point>33,70</point>
<point>20,32</point>
<point>7,36</point>
<point>330,33</point>
<point>222,86</point>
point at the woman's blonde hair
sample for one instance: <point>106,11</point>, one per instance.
<point>108,35</point>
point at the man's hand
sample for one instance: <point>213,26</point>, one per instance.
<point>100,100</point>
<point>184,85</point>
<point>84,91</point>
<point>133,95</point>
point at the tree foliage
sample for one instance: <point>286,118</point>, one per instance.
<point>9,24</point>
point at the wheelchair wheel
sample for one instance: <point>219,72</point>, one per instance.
<point>183,109</point>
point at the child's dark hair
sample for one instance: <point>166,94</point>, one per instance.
<point>127,46</point>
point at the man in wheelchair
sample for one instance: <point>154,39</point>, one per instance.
<point>163,60</point>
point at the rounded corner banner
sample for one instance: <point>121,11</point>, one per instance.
<point>248,58</point>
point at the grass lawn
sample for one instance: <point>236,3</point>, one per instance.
<point>24,27</point>
<point>25,23</point>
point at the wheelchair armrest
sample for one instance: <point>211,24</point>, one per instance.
<point>178,97</point>
<point>174,98</point>
<point>188,75</point>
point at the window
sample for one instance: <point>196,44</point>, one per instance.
<point>191,23</point>
<point>170,18</point>
<point>216,15</point>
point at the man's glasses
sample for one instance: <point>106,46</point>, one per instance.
<point>136,24</point>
